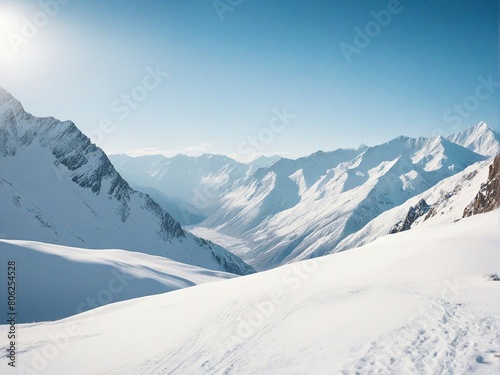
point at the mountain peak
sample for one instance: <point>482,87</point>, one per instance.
<point>5,95</point>
<point>362,146</point>
<point>479,138</point>
<point>482,125</point>
<point>8,100</point>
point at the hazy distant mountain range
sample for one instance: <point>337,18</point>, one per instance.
<point>290,210</point>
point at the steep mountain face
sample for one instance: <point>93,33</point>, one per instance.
<point>185,213</point>
<point>445,203</point>
<point>269,191</point>
<point>302,209</point>
<point>58,187</point>
<point>480,139</point>
<point>488,198</point>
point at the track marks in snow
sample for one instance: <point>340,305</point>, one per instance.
<point>444,337</point>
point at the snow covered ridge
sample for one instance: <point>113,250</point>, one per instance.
<point>416,302</point>
<point>200,181</point>
<point>58,187</point>
<point>480,139</point>
<point>301,209</point>
<point>446,202</point>
<point>60,281</point>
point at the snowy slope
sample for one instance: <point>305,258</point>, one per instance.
<point>55,282</point>
<point>301,209</point>
<point>447,199</point>
<point>58,187</point>
<point>480,139</point>
<point>416,302</point>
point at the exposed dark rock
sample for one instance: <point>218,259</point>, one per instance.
<point>488,197</point>
<point>420,209</point>
<point>493,277</point>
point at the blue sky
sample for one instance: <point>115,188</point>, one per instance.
<point>253,76</point>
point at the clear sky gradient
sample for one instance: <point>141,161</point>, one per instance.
<point>253,76</point>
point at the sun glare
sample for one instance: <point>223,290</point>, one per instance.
<point>7,19</point>
<point>8,25</point>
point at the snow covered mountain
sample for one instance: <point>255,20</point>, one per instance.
<point>446,202</point>
<point>184,212</point>
<point>60,281</point>
<point>475,190</point>
<point>197,183</point>
<point>298,209</point>
<point>480,139</point>
<point>302,209</point>
<point>422,301</point>
<point>58,187</point>
<point>183,177</point>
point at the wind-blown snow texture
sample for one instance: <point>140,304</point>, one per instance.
<point>58,187</point>
<point>417,302</point>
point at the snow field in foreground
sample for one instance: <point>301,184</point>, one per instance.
<point>414,302</point>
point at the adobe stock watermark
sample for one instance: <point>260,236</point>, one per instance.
<point>30,27</point>
<point>60,340</point>
<point>262,311</point>
<point>459,112</point>
<point>364,36</point>
<point>257,143</point>
<point>223,6</point>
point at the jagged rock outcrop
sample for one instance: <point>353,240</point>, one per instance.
<point>420,209</point>
<point>488,198</point>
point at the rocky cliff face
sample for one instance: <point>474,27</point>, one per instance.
<point>420,209</point>
<point>488,198</point>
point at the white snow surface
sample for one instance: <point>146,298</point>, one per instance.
<point>416,302</point>
<point>55,282</point>
<point>480,139</point>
